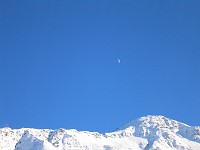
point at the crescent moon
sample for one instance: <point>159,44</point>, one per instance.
<point>118,60</point>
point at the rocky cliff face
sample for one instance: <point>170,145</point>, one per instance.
<point>145,133</point>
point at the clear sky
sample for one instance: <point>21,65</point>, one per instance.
<point>59,62</point>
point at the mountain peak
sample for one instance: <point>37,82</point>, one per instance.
<point>149,132</point>
<point>154,122</point>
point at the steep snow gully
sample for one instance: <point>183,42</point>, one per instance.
<point>145,133</point>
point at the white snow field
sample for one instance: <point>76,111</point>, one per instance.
<point>145,133</point>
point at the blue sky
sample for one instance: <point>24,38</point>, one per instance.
<point>59,62</point>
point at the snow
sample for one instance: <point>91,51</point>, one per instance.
<point>145,133</point>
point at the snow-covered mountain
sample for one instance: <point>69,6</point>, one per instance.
<point>145,133</point>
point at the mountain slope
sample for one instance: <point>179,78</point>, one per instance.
<point>145,133</point>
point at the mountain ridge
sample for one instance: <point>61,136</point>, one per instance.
<point>145,133</point>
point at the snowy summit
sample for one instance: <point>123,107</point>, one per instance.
<point>145,133</point>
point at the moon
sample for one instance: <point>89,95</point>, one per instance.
<point>118,60</point>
